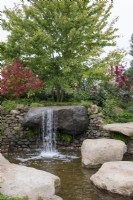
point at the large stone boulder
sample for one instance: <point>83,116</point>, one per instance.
<point>124,128</point>
<point>68,119</point>
<point>97,151</point>
<point>21,181</point>
<point>116,177</point>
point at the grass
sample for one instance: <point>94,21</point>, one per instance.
<point>12,104</point>
<point>4,197</point>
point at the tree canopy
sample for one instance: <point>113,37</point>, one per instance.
<point>61,40</point>
<point>129,72</point>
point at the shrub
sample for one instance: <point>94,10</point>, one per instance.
<point>124,117</point>
<point>118,72</point>
<point>9,104</point>
<point>18,81</point>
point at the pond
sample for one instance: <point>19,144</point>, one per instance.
<point>75,180</point>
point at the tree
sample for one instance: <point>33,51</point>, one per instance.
<point>129,71</point>
<point>61,40</point>
<point>18,81</point>
<point>131,50</point>
<point>129,75</point>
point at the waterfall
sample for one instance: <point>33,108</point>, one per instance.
<point>48,131</point>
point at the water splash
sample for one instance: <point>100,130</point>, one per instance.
<point>54,155</point>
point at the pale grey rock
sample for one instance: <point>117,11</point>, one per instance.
<point>15,112</point>
<point>94,109</point>
<point>124,128</point>
<point>97,151</point>
<point>116,177</point>
<point>21,181</point>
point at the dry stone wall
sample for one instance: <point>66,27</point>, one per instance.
<point>14,138</point>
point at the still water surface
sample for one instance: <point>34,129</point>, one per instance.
<point>75,180</point>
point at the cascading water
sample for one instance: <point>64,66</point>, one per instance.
<point>48,133</point>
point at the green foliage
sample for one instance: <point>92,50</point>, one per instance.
<point>1,132</point>
<point>108,107</point>
<point>117,106</point>
<point>62,41</point>
<point>4,197</point>
<point>36,104</point>
<point>64,137</point>
<point>130,109</point>
<point>124,117</point>
<point>12,104</point>
<point>9,104</point>
<point>24,101</point>
<point>86,103</point>
<point>82,96</point>
<point>131,53</point>
<point>120,136</point>
<point>129,72</point>
<point>121,117</point>
<point>32,133</point>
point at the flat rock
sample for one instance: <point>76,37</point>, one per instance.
<point>21,181</point>
<point>116,177</point>
<point>124,128</point>
<point>98,151</point>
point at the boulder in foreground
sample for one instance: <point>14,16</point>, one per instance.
<point>116,177</point>
<point>21,181</point>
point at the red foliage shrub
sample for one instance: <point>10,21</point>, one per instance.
<point>118,72</point>
<point>17,80</point>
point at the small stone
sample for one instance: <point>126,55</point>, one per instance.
<point>94,109</point>
<point>15,112</point>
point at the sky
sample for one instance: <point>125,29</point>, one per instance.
<point>122,8</point>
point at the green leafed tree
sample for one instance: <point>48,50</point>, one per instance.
<point>62,40</point>
<point>131,49</point>
<point>129,71</point>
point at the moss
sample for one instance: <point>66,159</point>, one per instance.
<point>119,136</point>
<point>1,132</point>
<point>64,137</point>
<point>32,132</point>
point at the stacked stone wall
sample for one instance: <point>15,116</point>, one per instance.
<point>15,139</point>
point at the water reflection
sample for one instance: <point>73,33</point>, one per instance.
<point>75,180</point>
